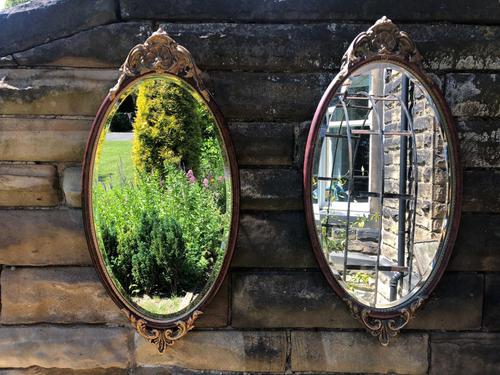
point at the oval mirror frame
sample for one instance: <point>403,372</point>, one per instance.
<point>158,56</point>
<point>384,42</point>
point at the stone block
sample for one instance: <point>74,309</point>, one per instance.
<point>247,47</point>
<point>30,24</point>
<point>480,191</point>
<point>43,138</point>
<point>476,248</point>
<point>216,313</point>
<point>491,316</point>
<point>479,143</point>
<point>358,352</point>
<point>248,351</point>
<point>297,10</point>
<point>72,186</point>
<point>465,353</point>
<point>103,46</point>
<point>273,239</point>
<point>35,370</point>
<point>77,347</point>
<point>54,91</point>
<point>247,96</point>
<point>263,143</point>
<point>452,308</point>
<point>43,237</point>
<point>271,189</point>
<point>473,94</point>
<point>287,299</point>
<point>7,61</point>
<point>301,132</point>
<point>28,185</point>
<point>56,295</point>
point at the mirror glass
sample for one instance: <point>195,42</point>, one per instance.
<point>161,196</point>
<point>380,188</point>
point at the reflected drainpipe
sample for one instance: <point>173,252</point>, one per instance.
<point>403,148</point>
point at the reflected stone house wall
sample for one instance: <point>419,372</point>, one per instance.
<point>431,172</point>
<point>267,64</point>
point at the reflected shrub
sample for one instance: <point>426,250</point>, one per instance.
<point>167,127</point>
<point>162,233</point>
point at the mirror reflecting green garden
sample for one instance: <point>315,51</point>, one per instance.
<point>161,193</point>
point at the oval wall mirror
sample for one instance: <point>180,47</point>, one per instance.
<point>160,192</point>
<point>382,181</point>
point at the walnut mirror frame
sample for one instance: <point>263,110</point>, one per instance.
<point>351,250</point>
<point>161,58</point>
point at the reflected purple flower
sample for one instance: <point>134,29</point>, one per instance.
<point>191,177</point>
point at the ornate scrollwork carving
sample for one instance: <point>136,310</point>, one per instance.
<point>162,338</point>
<point>384,329</point>
<point>382,39</point>
<point>160,54</point>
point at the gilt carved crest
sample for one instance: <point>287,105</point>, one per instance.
<point>160,54</point>
<point>382,39</point>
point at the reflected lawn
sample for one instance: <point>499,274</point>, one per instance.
<point>115,161</point>
<point>163,306</point>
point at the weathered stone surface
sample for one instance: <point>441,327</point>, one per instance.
<point>33,23</point>
<point>452,308</point>
<point>224,46</point>
<point>317,10</point>
<point>175,370</point>
<point>43,237</point>
<point>216,313</point>
<point>78,347</point>
<point>476,248</point>
<point>465,353</point>
<point>491,319</point>
<point>358,352</point>
<point>443,46</point>
<point>473,95</point>
<point>43,139</point>
<point>104,46</point>
<point>72,186</point>
<point>287,299</point>
<point>35,370</point>
<point>301,133</point>
<point>273,239</point>
<point>319,46</point>
<point>481,193</point>
<point>240,95</point>
<point>54,92</point>
<point>263,143</point>
<point>28,185</point>
<point>268,96</point>
<point>219,350</point>
<point>7,61</point>
<point>480,143</point>
<point>55,295</point>
<point>271,189</point>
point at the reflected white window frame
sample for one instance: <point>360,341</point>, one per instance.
<point>337,208</point>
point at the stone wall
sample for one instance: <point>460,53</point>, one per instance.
<point>267,63</point>
<point>431,171</point>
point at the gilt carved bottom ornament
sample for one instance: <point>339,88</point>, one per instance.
<point>162,338</point>
<point>386,328</point>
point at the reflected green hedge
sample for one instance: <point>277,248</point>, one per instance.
<point>162,234</point>
<point>167,127</point>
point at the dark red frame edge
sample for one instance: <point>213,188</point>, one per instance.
<point>457,182</point>
<point>87,215</point>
